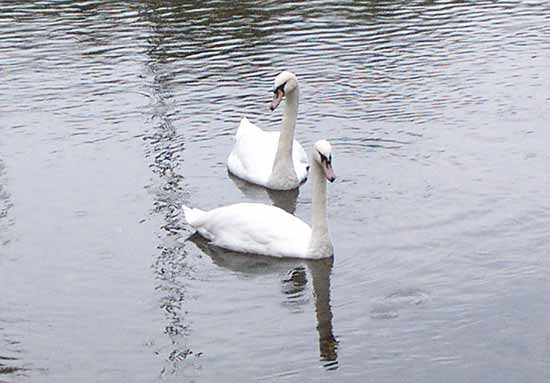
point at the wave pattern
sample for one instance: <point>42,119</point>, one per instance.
<point>438,111</point>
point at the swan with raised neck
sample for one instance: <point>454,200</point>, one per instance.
<point>283,176</point>
<point>267,230</point>
<point>274,160</point>
<point>320,243</point>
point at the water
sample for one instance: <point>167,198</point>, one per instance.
<point>113,114</point>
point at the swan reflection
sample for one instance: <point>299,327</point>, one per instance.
<point>285,199</point>
<point>293,286</point>
<point>320,271</point>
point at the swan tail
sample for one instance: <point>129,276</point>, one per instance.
<point>192,215</point>
<point>244,127</point>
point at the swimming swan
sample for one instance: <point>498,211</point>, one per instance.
<point>268,230</point>
<point>272,159</point>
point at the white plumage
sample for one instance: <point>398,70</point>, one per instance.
<point>267,230</point>
<point>254,152</point>
<point>252,228</point>
<point>274,160</point>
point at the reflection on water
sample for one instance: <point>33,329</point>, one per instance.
<point>10,364</point>
<point>285,199</point>
<point>293,286</point>
<point>5,206</point>
<point>113,114</point>
<point>320,271</point>
<point>170,264</point>
<point>7,369</point>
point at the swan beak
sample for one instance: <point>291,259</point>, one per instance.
<point>279,94</point>
<point>329,173</point>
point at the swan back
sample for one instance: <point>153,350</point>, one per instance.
<point>254,153</point>
<point>254,228</point>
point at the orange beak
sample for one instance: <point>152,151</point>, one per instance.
<point>329,173</point>
<point>279,94</point>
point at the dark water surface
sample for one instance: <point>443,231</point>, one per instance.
<point>113,114</point>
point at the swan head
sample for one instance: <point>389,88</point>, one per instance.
<point>285,82</point>
<point>322,154</point>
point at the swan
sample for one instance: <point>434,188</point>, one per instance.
<point>268,230</point>
<point>272,159</point>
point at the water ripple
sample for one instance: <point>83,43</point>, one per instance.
<point>437,111</point>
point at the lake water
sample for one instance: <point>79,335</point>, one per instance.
<point>113,114</point>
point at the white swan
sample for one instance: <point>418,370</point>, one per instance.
<point>262,229</point>
<point>272,159</point>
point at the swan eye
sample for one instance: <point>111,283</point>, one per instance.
<point>325,159</point>
<point>280,88</point>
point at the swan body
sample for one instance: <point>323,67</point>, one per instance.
<point>267,230</point>
<point>254,153</point>
<point>252,228</point>
<point>272,159</point>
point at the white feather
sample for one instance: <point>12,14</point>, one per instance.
<point>254,151</point>
<point>253,228</point>
<point>268,230</point>
<point>274,160</point>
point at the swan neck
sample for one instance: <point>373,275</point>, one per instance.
<point>289,117</point>
<point>283,165</point>
<point>319,219</point>
<point>320,273</point>
<point>320,244</point>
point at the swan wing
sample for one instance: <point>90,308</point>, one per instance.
<point>299,159</point>
<point>254,152</point>
<point>255,228</point>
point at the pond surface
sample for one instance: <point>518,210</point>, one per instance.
<point>113,114</point>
